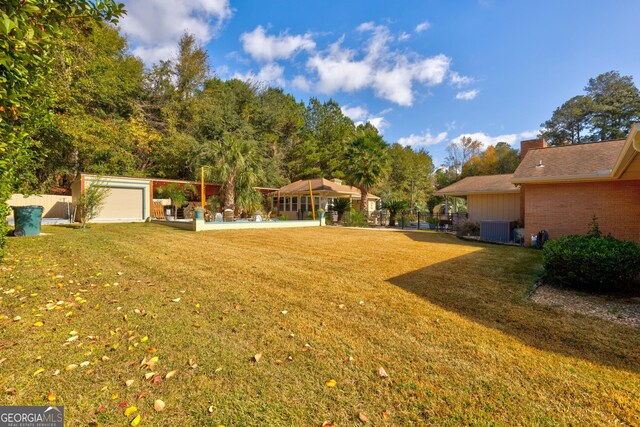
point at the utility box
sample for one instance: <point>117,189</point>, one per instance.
<point>496,231</point>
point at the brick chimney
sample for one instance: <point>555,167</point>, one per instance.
<point>531,144</point>
<point>525,146</point>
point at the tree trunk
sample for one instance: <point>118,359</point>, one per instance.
<point>364,205</point>
<point>229,189</point>
<point>392,218</point>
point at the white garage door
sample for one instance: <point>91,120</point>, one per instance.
<point>122,203</point>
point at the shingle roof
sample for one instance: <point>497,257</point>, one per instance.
<point>569,162</point>
<point>321,184</point>
<point>487,184</point>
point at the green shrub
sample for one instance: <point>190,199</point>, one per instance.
<point>356,219</point>
<point>591,262</point>
<point>467,228</point>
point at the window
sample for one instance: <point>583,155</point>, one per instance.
<point>294,204</point>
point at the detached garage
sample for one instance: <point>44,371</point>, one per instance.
<point>128,199</point>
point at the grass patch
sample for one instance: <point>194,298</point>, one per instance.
<point>446,319</point>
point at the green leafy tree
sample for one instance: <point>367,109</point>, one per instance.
<point>32,33</point>
<point>610,106</point>
<point>616,105</point>
<point>394,206</point>
<point>366,162</point>
<point>410,175</point>
<point>90,202</point>
<point>324,136</point>
<point>569,122</point>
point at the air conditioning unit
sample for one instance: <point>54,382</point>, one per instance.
<point>496,231</point>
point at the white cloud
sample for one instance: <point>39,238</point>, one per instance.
<point>361,115</point>
<point>271,74</point>
<point>155,26</point>
<point>404,36</point>
<point>467,95</point>
<point>423,26</point>
<point>263,47</point>
<point>301,83</point>
<point>390,73</point>
<point>487,140</point>
<point>459,81</point>
<point>422,140</point>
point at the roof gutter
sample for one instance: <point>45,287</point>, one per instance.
<point>629,151</point>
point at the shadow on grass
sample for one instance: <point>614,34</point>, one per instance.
<point>489,287</point>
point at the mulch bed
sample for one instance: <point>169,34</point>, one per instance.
<point>623,310</point>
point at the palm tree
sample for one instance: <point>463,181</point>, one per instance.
<point>394,206</point>
<point>365,162</point>
<point>340,206</point>
<point>235,162</point>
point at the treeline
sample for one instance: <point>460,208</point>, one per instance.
<point>113,116</point>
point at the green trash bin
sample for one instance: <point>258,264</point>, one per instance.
<point>27,220</point>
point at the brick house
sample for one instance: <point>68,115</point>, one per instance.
<point>561,188</point>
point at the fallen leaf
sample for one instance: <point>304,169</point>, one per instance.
<point>218,369</point>
<point>341,306</point>
<point>330,383</point>
<point>149,375</point>
<point>157,379</point>
<point>328,424</point>
<point>114,396</point>
<point>130,410</point>
<point>84,364</point>
<point>382,373</point>
<point>11,391</point>
<point>38,324</point>
<point>129,382</point>
<point>100,409</point>
<point>105,358</point>
<point>284,312</point>
<point>17,319</point>
<point>176,300</point>
<point>135,421</point>
<point>123,404</point>
<point>211,409</point>
<point>144,339</point>
<point>158,405</point>
<point>170,374</point>
<point>70,367</point>
<point>72,339</point>
<point>51,396</point>
<point>39,371</point>
<point>386,415</point>
<point>257,357</point>
<point>141,395</point>
<point>56,372</point>
<point>4,359</point>
<point>363,417</point>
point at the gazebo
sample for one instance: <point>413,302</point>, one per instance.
<point>297,199</point>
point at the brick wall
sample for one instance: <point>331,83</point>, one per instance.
<point>563,209</point>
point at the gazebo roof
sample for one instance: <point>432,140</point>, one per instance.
<point>322,185</point>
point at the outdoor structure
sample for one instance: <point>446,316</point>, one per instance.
<point>128,199</point>
<point>564,187</point>
<point>294,200</point>
<point>54,205</point>
<point>201,225</point>
<point>490,197</point>
<point>560,189</point>
<point>131,199</point>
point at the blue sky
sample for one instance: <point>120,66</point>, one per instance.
<point>424,72</point>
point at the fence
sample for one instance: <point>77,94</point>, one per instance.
<point>55,206</point>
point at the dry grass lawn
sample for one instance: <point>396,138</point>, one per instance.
<point>446,319</point>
